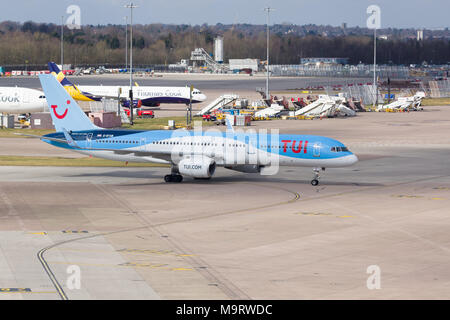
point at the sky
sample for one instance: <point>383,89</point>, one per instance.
<point>430,14</point>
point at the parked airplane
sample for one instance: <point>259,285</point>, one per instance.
<point>21,100</point>
<point>190,153</point>
<point>148,96</point>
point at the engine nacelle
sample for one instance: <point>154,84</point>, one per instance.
<point>136,103</point>
<point>247,168</point>
<point>197,167</point>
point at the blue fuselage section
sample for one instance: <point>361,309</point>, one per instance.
<point>285,145</point>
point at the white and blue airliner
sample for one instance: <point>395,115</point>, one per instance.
<point>190,153</point>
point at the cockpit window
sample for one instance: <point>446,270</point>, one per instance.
<point>41,97</point>
<point>339,149</point>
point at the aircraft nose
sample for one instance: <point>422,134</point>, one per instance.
<point>352,159</point>
<point>202,97</point>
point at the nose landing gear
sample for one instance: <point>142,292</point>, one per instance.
<point>315,180</point>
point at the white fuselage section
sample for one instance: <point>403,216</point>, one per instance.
<point>143,93</point>
<point>21,100</point>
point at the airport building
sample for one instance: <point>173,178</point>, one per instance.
<point>316,60</point>
<point>241,64</point>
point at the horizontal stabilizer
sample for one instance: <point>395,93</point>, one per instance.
<point>42,137</point>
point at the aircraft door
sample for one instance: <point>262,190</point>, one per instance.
<point>89,140</point>
<point>143,143</point>
<point>316,149</point>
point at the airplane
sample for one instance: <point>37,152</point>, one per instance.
<point>145,96</point>
<point>188,152</point>
<point>21,100</point>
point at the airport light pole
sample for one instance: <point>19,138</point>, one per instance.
<point>62,43</point>
<point>131,6</point>
<point>190,103</point>
<point>268,9</point>
<point>375,83</point>
<point>126,42</point>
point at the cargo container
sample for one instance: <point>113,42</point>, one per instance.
<point>105,119</point>
<point>41,120</point>
<point>7,121</point>
<point>242,120</point>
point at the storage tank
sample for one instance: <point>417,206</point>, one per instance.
<point>218,49</point>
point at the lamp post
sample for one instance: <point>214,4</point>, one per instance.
<point>374,22</point>
<point>126,42</point>
<point>375,83</point>
<point>62,43</point>
<point>268,10</point>
<point>131,6</point>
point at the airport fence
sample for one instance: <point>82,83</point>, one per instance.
<point>359,71</point>
<point>368,94</point>
<point>439,88</point>
<point>108,105</point>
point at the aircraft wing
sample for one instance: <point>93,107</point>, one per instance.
<point>158,155</point>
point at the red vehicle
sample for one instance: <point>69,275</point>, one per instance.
<point>68,72</point>
<point>142,113</point>
<point>209,117</point>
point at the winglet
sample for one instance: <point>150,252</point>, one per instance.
<point>69,139</point>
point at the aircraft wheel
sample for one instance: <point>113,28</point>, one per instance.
<point>315,182</point>
<point>173,178</point>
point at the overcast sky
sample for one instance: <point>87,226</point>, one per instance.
<point>394,13</point>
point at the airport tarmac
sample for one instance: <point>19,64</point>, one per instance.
<point>239,236</point>
<point>203,82</point>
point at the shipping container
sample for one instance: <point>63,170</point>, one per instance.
<point>41,120</point>
<point>7,121</point>
<point>243,120</point>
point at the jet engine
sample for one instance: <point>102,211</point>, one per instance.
<point>136,103</point>
<point>197,167</point>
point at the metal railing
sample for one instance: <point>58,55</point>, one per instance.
<point>440,89</point>
<point>359,71</point>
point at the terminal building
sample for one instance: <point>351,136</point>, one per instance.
<point>242,64</point>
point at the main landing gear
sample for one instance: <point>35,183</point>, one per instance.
<point>175,176</point>
<point>315,180</point>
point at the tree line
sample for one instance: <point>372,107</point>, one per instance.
<point>38,43</point>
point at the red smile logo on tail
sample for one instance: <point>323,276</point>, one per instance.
<point>60,116</point>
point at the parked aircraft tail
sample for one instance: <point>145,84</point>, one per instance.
<point>58,74</point>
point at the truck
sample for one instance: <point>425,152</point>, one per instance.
<point>209,117</point>
<point>141,113</point>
